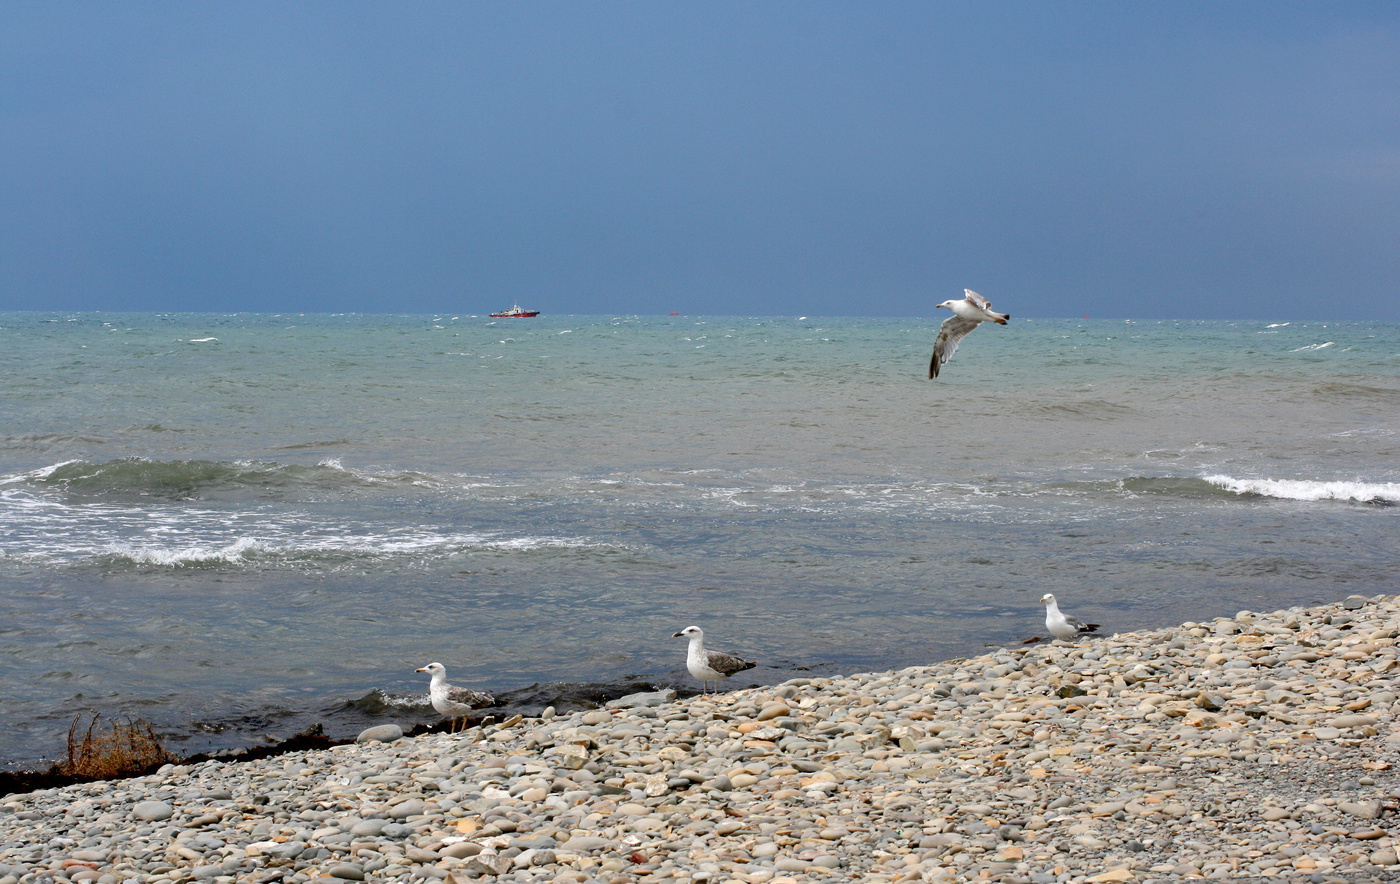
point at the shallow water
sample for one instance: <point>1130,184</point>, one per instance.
<point>233,526</point>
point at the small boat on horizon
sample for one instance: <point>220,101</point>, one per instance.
<point>515,311</point>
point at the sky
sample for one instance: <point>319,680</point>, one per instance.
<point>1112,159</point>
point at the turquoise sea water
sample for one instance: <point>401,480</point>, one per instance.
<point>233,526</point>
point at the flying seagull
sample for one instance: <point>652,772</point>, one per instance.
<point>1062,625</point>
<point>968,313</point>
<point>706,665</point>
<point>452,701</point>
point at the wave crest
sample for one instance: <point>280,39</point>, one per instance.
<point>1302,489</point>
<point>135,477</point>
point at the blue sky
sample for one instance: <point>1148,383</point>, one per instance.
<point>1130,159</point>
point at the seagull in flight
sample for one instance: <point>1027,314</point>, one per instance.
<point>970,312</point>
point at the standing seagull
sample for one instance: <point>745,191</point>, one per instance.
<point>1062,625</point>
<point>968,313</point>
<point>452,701</point>
<point>706,665</point>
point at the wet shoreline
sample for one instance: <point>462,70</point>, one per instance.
<point>416,720</point>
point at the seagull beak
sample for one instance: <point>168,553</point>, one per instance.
<point>424,669</point>
<point>678,635</point>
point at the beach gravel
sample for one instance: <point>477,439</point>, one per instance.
<point>1252,747</point>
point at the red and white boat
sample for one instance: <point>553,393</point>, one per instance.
<point>515,311</point>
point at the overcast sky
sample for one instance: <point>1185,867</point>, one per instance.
<point>1114,159</point>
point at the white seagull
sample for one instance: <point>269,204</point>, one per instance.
<point>1062,625</point>
<point>706,665</point>
<point>450,701</point>
<point>968,313</point>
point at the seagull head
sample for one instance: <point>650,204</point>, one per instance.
<point>948,304</point>
<point>433,668</point>
<point>1048,599</point>
<point>690,632</point>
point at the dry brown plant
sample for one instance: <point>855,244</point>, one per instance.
<point>123,749</point>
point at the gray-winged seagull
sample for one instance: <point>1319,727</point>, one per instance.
<point>706,665</point>
<point>970,312</point>
<point>1062,625</point>
<point>453,702</point>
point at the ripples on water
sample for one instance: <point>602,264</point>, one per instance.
<point>234,526</point>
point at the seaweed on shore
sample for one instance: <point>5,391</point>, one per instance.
<point>129,748</point>
<point>124,749</point>
<point>528,701</point>
<point>313,737</point>
<point>67,773</point>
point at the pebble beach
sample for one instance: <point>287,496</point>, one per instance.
<point>1258,746</point>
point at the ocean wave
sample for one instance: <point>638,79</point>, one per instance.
<point>46,441</point>
<point>1300,489</point>
<point>45,529</point>
<point>180,480</point>
<point>325,552</point>
<point>1314,347</point>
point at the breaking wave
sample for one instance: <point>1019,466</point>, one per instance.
<point>1300,489</point>
<point>137,478</point>
<point>286,552</point>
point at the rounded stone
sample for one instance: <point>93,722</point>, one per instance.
<point>461,850</point>
<point>155,811</point>
<point>384,733</point>
<point>773,710</point>
<point>368,827</point>
<point>347,872</point>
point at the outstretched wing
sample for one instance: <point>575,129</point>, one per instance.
<point>953,330</point>
<point>976,300</point>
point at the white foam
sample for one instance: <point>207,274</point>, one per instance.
<point>32,475</point>
<point>245,548</point>
<point>191,555</point>
<point>1302,489</point>
<point>1279,325</point>
<point>1315,347</point>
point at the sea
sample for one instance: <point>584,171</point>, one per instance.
<point>233,527</point>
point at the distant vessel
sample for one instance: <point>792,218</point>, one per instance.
<point>515,311</point>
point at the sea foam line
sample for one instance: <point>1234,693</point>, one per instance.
<point>1301,489</point>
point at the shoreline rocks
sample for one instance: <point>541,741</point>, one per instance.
<point>1263,745</point>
